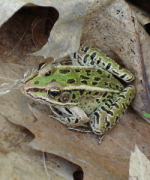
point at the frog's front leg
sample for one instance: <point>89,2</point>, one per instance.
<point>109,114</point>
<point>71,117</point>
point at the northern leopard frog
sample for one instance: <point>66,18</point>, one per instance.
<point>85,96</point>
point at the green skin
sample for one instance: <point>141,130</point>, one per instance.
<point>85,96</point>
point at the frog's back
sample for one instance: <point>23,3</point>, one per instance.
<point>93,77</point>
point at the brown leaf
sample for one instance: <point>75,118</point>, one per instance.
<point>108,25</point>
<point>109,159</point>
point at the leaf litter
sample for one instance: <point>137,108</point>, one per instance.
<point>112,27</point>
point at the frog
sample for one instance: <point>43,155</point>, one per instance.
<point>89,95</point>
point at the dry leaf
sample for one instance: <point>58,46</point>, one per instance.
<point>139,166</point>
<point>108,25</point>
<point>19,161</point>
<point>110,159</point>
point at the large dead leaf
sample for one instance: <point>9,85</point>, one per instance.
<point>109,25</point>
<point>19,161</point>
<point>110,159</point>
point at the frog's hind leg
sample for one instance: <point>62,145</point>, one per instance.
<point>109,114</point>
<point>93,57</point>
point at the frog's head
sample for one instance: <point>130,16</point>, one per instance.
<point>41,86</point>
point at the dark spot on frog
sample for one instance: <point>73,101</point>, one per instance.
<point>70,81</point>
<point>68,119</point>
<point>92,62</point>
<point>115,72</point>
<point>88,93</point>
<point>36,82</point>
<point>109,75</point>
<point>99,61</point>
<point>93,55</point>
<point>64,71</point>
<point>84,82</point>
<point>86,49</point>
<point>117,118</point>
<point>104,95</point>
<point>74,55</point>
<point>48,73</point>
<point>117,87</point>
<point>84,77</point>
<point>76,121</point>
<point>88,70</point>
<point>96,93</point>
<point>85,58</point>
<point>98,100</point>
<point>99,71</point>
<point>97,78</point>
<point>81,92</point>
<point>53,80</point>
<point>73,96</point>
<point>107,123</point>
<point>108,66</point>
<point>123,76</point>
<point>68,111</point>
<point>94,83</point>
<point>77,70</point>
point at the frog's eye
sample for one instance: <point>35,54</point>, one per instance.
<point>41,65</point>
<point>54,92</point>
<point>35,89</point>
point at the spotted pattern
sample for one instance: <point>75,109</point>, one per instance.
<point>97,58</point>
<point>84,82</point>
<point>82,92</point>
<point>97,78</point>
<point>71,81</point>
<point>64,71</point>
<point>77,70</point>
<point>99,71</point>
<point>36,82</point>
<point>85,58</point>
<point>94,83</point>
<point>84,77</point>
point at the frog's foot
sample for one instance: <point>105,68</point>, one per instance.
<point>100,139</point>
<point>109,114</point>
<point>70,116</point>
